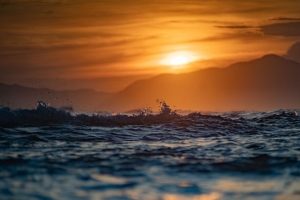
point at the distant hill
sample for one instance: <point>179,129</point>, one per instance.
<point>16,96</point>
<point>267,83</point>
<point>293,52</point>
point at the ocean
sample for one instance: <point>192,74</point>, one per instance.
<point>48,153</point>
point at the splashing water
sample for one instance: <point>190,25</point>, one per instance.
<point>145,111</point>
<point>164,108</point>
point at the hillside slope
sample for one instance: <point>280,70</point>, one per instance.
<point>267,83</point>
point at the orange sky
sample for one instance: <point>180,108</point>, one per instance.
<point>72,39</point>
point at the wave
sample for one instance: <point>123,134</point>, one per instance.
<point>47,115</point>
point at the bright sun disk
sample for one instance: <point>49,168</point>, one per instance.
<point>179,58</point>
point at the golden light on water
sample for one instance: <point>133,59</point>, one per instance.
<point>211,196</point>
<point>179,58</point>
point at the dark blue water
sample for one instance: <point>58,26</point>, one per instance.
<point>49,153</point>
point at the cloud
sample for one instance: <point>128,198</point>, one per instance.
<point>62,37</point>
<point>34,49</point>
<point>236,27</point>
<point>288,29</point>
<point>285,19</point>
<point>293,52</point>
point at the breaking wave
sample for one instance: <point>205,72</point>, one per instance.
<point>47,115</point>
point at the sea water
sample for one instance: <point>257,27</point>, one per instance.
<point>48,153</point>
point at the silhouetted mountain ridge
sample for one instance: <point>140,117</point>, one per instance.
<point>293,52</point>
<point>267,83</point>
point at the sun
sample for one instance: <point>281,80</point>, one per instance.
<point>179,59</point>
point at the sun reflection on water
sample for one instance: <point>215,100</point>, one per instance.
<point>211,196</point>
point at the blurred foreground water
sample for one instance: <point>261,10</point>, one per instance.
<point>49,153</point>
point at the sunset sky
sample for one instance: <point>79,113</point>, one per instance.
<point>78,39</point>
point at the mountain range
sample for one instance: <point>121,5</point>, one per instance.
<point>267,83</point>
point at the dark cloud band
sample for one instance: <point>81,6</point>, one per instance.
<point>288,29</point>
